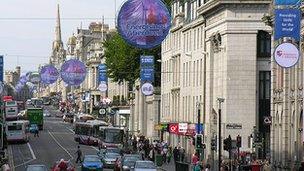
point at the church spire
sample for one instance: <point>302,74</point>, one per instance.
<point>58,26</point>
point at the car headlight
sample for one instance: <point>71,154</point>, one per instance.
<point>125,168</point>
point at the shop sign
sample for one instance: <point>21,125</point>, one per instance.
<point>234,126</point>
<point>191,130</point>
<point>182,127</point>
<point>173,128</point>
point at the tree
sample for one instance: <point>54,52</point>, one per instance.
<point>123,60</point>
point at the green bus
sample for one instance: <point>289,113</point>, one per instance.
<point>35,116</point>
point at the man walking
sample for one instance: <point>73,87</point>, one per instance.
<point>79,154</point>
<point>36,132</point>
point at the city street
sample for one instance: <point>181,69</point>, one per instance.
<point>55,142</point>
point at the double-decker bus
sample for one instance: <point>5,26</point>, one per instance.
<point>110,136</point>
<point>11,110</point>
<point>17,131</point>
<point>87,132</point>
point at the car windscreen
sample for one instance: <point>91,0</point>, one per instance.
<point>112,155</point>
<point>91,159</point>
<point>36,168</point>
<point>147,165</point>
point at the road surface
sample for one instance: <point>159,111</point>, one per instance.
<point>55,141</point>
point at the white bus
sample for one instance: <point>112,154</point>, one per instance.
<point>17,131</point>
<point>11,110</point>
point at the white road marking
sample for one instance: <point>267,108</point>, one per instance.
<point>31,150</point>
<point>24,163</point>
<point>60,145</point>
<point>33,157</point>
<point>95,148</point>
<point>71,130</point>
<point>11,156</point>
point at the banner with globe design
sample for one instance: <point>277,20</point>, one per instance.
<point>48,74</point>
<point>144,23</point>
<point>73,72</point>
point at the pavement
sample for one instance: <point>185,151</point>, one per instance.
<point>55,141</point>
<point>167,167</point>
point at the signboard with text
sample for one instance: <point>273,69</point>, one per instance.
<point>102,70</point>
<point>287,23</point>
<point>147,68</point>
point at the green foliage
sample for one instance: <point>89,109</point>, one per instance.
<point>123,60</point>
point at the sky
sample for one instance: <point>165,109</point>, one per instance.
<point>27,27</point>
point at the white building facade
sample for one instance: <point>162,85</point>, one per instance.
<point>216,49</point>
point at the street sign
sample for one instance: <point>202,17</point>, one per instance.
<point>102,111</point>
<point>147,89</point>
<point>286,55</point>
<point>287,2</point>
<point>267,120</point>
<point>287,23</point>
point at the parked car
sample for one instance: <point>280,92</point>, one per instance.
<point>36,167</point>
<point>144,165</point>
<point>127,162</point>
<point>91,162</point>
<point>110,159</point>
<point>33,128</point>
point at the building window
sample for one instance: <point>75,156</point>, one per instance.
<point>263,44</point>
<point>264,88</point>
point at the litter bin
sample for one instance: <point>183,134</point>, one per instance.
<point>159,159</point>
<point>255,167</point>
<point>180,166</point>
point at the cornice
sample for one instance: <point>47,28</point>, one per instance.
<point>204,9</point>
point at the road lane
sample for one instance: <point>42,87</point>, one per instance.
<point>56,141</point>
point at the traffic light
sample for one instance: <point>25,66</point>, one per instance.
<point>239,141</point>
<point>213,144</point>
<point>227,143</point>
<point>199,144</point>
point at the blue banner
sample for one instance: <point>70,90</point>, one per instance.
<point>287,23</point>
<point>1,69</point>
<point>147,68</point>
<point>102,70</point>
<point>287,2</point>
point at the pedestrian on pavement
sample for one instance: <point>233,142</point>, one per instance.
<point>79,155</point>
<point>36,132</point>
<point>169,154</point>
<point>176,155</point>
<point>182,154</point>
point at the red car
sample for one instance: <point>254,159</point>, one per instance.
<point>63,165</point>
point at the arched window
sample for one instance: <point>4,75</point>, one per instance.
<point>263,44</point>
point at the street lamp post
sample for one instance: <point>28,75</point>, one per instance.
<point>220,101</point>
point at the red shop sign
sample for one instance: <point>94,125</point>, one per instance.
<point>173,128</point>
